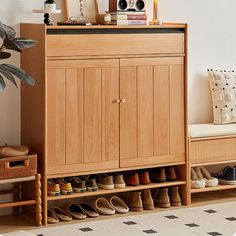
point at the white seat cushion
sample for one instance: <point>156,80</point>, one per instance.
<point>211,130</point>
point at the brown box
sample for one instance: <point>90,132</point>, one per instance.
<point>20,166</point>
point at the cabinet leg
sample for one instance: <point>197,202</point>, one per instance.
<point>38,207</point>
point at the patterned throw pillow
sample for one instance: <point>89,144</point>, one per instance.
<point>223,89</point>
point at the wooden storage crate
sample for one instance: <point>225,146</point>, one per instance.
<point>20,166</point>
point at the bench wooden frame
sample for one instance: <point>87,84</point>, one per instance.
<point>207,151</point>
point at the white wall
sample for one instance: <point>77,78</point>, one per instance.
<point>212,37</point>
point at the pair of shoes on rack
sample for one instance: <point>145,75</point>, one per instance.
<point>108,181</point>
<point>162,174</point>
<point>83,184</point>
<point>78,211</point>
<point>136,178</point>
<point>57,187</point>
<point>67,186</point>
<point>227,175</point>
<point>57,214</point>
<point>166,197</point>
<point>110,206</point>
<point>201,178</point>
<point>140,200</point>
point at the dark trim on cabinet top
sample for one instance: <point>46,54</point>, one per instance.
<point>116,31</point>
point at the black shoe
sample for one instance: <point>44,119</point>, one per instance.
<point>226,175</point>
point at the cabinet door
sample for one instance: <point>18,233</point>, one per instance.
<point>152,118</point>
<point>82,115</point>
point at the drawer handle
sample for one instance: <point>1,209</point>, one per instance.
<point>123,100</point>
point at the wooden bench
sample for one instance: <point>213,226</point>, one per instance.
<point>212,144</point>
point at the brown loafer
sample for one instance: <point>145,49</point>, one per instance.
<point>144,178</point>
<point>132,179</point>
<point>171,174</point>
<point>158,175</point>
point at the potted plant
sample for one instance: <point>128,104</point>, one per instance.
<point>11,42</point>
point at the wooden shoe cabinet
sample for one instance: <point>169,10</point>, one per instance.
<point>106,99</point>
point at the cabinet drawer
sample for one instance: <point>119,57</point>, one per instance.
<point>206,151</point>
<point>114,44</point>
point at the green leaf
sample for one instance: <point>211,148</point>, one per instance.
<point>4,55</point>
<point>7,31</point>
<point>24,43</point>
<point>2,83</point>
<point>10,45</point>
<point>8,75</point>
<point>19,73</point>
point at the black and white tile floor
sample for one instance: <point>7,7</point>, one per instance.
<point>214,220</point>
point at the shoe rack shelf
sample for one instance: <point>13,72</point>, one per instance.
<point>210,189</point>
<point>116,190</point>
<point>213,163</point>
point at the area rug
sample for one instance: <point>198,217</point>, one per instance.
<point>217,219</point>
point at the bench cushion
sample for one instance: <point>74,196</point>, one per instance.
<point>211,130</point>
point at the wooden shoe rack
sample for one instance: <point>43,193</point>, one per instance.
<point>17,192</point>
<point>107,99</point>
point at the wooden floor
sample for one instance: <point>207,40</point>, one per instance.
<point>12,223</point>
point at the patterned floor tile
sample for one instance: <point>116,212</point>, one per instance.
<point>210,211</point>
<point>130,223</point>
<point>192,225</point>
<point>87,229</point>
<point>214,233</point>
<point>171,217</point>
<point>150,231</point>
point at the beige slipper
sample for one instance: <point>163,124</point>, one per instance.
<point>119,205</point>
<point>196,181</point>
<point>210,181</point>
<point>76,212</point>
<point>104,207</point>
<point>52,217</point>
<point>88,209</point>
<point>61,214</point>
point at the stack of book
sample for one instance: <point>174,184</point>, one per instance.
<point>126,18</point>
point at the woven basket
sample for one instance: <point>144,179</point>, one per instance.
<point>20,166</point>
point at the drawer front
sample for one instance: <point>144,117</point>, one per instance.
<point>206,151</point>
<point>114,44</point>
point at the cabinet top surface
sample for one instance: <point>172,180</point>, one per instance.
<point>164,25</point>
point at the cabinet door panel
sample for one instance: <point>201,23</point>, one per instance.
<point>161,110</point>
<point>145,110</point>
<point>74,116</point>
<point>55,125</point>
<point>128,113</point>
<point>91,117</point>
<point>110,114</point>
<point>152,119</point>
<point>177,131</point>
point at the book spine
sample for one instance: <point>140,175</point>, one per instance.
<point>137,17</point>
<point>131,22</point>
<point>128,17</point>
